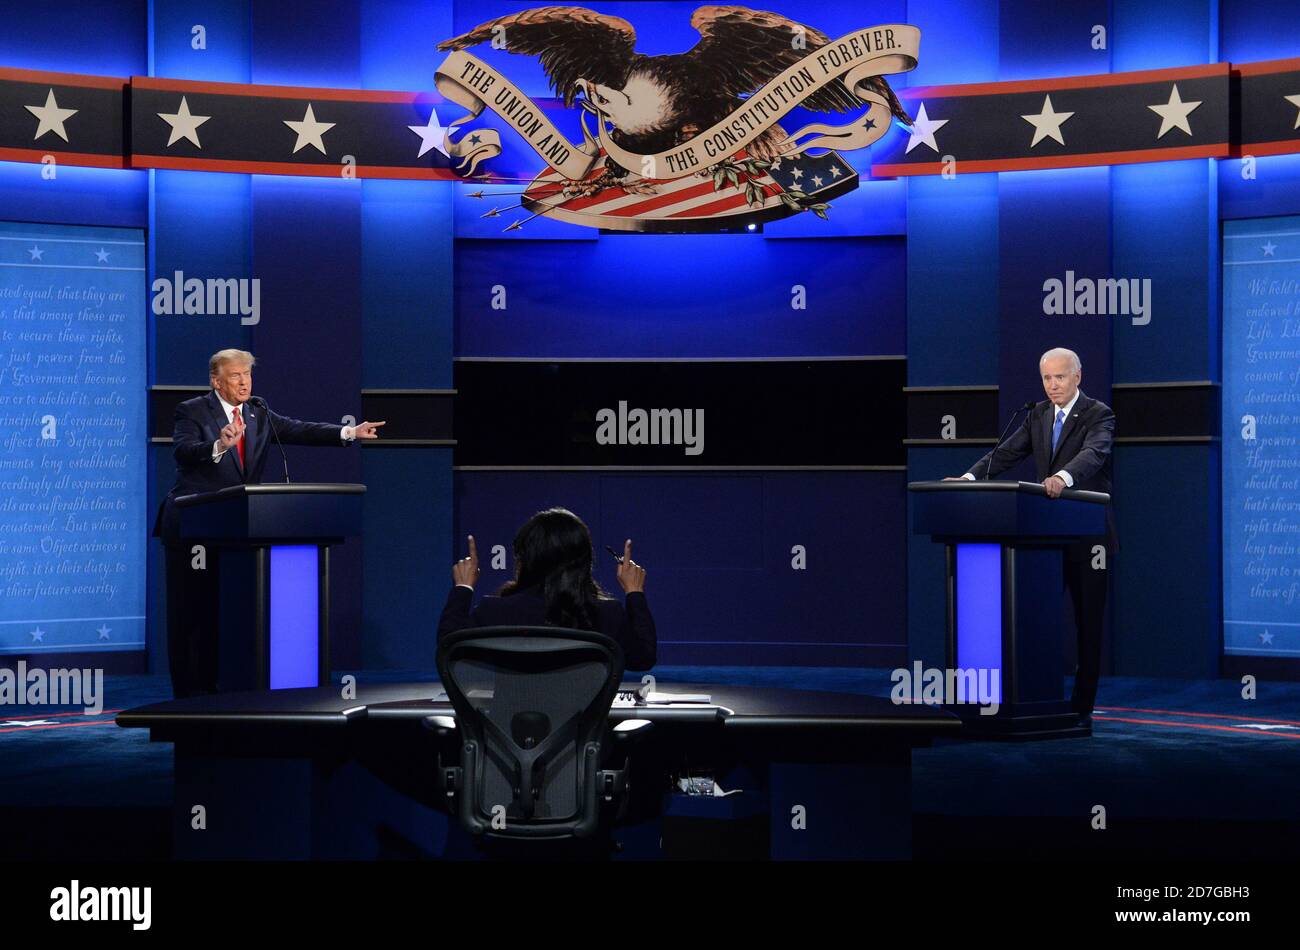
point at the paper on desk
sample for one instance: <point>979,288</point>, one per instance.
<point>664,698</point>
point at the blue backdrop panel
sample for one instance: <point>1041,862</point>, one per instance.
<point>1261,468</point>
<point>1051,223</point>
<point>952,280</point>
<point>72,517</point>
<point>1166,230</point>
<point>1166,616</point>
<point>720,552</point>
<point>407,556</point>
<point>681,295</point>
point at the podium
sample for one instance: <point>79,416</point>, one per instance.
<point>272,543</point>
<point>1005,546</point>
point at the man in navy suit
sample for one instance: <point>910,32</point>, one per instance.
<point>1069,435</point>
<point>221,439</point>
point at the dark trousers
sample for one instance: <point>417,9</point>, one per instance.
<point>1087,587</point>
<point>192,621</point>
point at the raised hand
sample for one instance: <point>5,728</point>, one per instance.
<point>231,433</point>
<point>465,571</point>
<point>631,576</point>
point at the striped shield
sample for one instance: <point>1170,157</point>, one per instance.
<point>708,201</point>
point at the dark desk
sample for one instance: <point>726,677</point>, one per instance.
<point>306,773</point>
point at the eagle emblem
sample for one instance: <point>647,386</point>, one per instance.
<point>686,141</point>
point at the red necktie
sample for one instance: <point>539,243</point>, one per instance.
<point>240,444</point>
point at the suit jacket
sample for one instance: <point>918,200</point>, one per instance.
<point>1083,449</point>
<point>633,628</point>
<point>198,423</point>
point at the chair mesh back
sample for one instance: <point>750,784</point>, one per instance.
<point>520,692</point>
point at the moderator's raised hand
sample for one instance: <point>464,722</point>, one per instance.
<point>631,575</point>
<point>465,571</point>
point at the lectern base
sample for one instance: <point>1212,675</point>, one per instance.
<point>1025,727</point>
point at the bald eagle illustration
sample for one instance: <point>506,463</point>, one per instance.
<point>655,103</point>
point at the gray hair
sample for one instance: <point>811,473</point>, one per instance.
<point>222,357</point>
<point>1058,352</point>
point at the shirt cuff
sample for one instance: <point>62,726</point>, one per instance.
<point>217,451</point>
<point>1065,476</point>
<point>467,587</point>
<point>348,433</point>
<point>969,477</point>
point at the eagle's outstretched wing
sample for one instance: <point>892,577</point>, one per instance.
<point>745,48</point>
<point>572,43</point>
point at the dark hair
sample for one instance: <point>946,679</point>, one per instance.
<point>553,553</point>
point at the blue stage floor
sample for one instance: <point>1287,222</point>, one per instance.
<point>1183,768</point>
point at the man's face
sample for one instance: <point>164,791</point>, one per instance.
<point>1060,382</point>
<point>234,382</point>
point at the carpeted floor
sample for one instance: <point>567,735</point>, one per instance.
<point>1183,769</point>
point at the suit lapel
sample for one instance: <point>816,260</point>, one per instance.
<point>1045,438</point>
<point>251,434</point>
<point>1071,423</point>
<point>219,416</point>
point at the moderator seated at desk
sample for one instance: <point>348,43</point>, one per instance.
<point>553,584</point>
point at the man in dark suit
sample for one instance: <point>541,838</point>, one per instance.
<point>1069,435</point>
<point>221,439</point>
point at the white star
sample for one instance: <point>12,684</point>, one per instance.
<point>923,129</point>
<point>796,173</point>
<point>1266,637</point>
<point>776,165</point>
<point>38,635</point>
<point>309,131</point>
<point>432,135</point>
<point>1173,114</point>
<point>101,256</point>
<point>1268,248</point>
<point>817,181</point>
<point>35,252</point>
<point>52,117</point>
<point>103,631</point>
<point>1295,101</point>
<point>184,124</point>
<point>835,171</point>
<point>1047,124</point>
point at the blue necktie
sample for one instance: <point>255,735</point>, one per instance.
<point>1056,429</point>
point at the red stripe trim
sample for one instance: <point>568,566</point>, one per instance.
<point>654,203</point>
<point>281,92</point>
<point>726,204</point>
<point>1175,712</point>
<point>1219,150</point>
<point>1179,725</point>
<point>73,725</point>
<point>1267,66</point>
<point>1284,147</point>
<point>1065,82</point>
<point>315,169</point>
<point>41,77</point>
<point>66,158</point>
<point>106,712</point>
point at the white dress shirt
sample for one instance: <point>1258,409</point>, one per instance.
<point>348,434</point>
<point>1063,475</point>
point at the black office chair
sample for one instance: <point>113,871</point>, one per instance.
<point>532,721</point>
